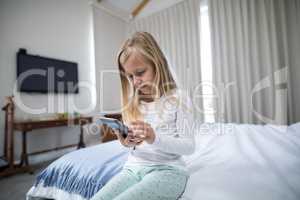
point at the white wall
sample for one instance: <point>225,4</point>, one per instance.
<point>55,28</point>
<point>109,36</point>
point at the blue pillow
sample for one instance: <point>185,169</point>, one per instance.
<point>85,171</point>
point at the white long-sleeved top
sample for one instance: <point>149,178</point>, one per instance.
<point>171,118</point>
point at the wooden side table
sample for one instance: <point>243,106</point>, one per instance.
<point>28,126</point>
<point>25,127</point>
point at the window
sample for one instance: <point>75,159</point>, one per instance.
<point>206,64</point>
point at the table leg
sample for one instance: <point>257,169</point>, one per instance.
<point>81,140</point>
<point>24,155</point>
<point>24,164</point>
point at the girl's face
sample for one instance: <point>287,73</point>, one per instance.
<point>140,73</point>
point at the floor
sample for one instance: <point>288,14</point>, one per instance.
<point>15,187</point>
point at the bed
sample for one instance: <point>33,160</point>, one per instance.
<point>231,162</point>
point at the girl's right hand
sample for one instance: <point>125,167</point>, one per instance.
<point>130,140</point>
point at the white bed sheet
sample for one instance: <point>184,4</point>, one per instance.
<point>245,162</point>
<point>236,162</point>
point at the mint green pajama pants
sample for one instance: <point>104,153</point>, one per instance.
<point>145,183</point>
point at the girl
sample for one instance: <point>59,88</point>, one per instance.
<point>160,119</point>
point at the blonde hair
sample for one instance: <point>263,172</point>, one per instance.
<point>147,48</point>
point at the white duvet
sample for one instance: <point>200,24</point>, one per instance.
<point>245,162</point>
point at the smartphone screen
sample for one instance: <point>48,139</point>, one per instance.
<point>114,124</point>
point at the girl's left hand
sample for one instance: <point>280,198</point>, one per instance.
<point>143,131</point>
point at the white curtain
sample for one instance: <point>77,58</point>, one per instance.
<point>176,29</point>
<point>250,61</point>
<point>293,34</point>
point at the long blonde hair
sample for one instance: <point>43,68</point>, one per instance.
<point>147,48</point>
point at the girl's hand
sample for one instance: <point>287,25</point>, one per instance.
<point>143,131</point>
<point>130,140</point>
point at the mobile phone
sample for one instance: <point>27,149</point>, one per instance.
<point>114,124</point>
